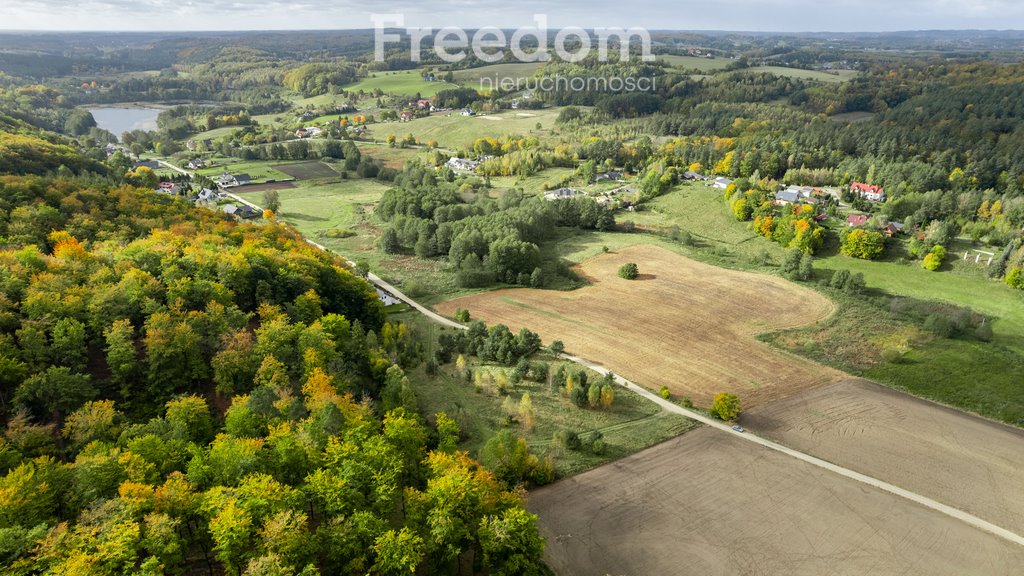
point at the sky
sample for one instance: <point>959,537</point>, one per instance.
<point>746,15</point>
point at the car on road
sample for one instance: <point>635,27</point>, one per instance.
<point>737,427</point>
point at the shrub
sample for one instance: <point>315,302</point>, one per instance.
<point>938,325</point>
<point>629,271</point>
<point>556,347</point>
<point>665,393</point>
<point>567,439</point>
<point>984,332</point>
<point>462,315</point>
<point>892,355</point>
<point>339,233</point>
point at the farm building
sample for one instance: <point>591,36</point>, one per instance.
<point>721,183</point>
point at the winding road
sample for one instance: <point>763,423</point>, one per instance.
<point>717,424</point>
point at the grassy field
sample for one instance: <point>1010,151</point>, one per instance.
<point>818,75</point>
<point>485,78</point>
<point>682,324</point>
<point>260,171</point>
<point>978,293</point>
<point>455,130</point>
<point>401,83</point>
<point>695,62</point>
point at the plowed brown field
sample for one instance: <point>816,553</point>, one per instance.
<point>683,324</point>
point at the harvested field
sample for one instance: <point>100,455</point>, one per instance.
<point>710,503</point>
<point>263,187</point>
<point>307,170</point>
<point>952,457</point>
<point>683,324</point>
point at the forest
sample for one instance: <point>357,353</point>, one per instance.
<point>185,394</point>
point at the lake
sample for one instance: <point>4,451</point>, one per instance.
<point>120,120</point>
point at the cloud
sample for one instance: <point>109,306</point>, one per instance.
<point>767,15</point>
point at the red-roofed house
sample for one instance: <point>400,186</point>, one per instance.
<point>868,191</point>
<point>857,219</point>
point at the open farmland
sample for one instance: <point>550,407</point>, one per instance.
<point>711,503</point>
<point>695,62</point>
<point>306,170</point>
<point>958,459</point>
<point>403,83</point>
<point>454,130</point>
<point>683,324</point>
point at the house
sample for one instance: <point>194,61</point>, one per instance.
<point>467,112</point>
<point>855,220</point>
<point>168,188</point>
<point>406,116</point>
<point>892,229</point>
<point>151,164</point>
<point>693,176</point>
<point>786,197</point>
<point>247,212</point>
<point>207,195</point>
<point>313,132</point>
<point>462,164</point>
<point>196,164</point>
<point>386,298</point>
<point>868,191</point>
<point>561,194</point>
<point>301,133</point>
<point>614,176</point>
<point>230,181</point>
<point>424,104</point>
<point>721,183</point>
<point>230,209</point>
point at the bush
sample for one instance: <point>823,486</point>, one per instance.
<point>892,355</point>
<point>665,393</point>
<point>984,332</point>
<point>462,315</point>
<point>938,325</point>
<point>629,271</point>
<point>567,439</point>
<point>339,233</point>
<point>556,347</point>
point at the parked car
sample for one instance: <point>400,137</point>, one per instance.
<point>737,427</point>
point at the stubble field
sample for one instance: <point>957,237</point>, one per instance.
<point>711,503</point>
<point>683,324</point>
<point>955,458</point>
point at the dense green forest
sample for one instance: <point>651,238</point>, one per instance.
<point>182,393</point>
